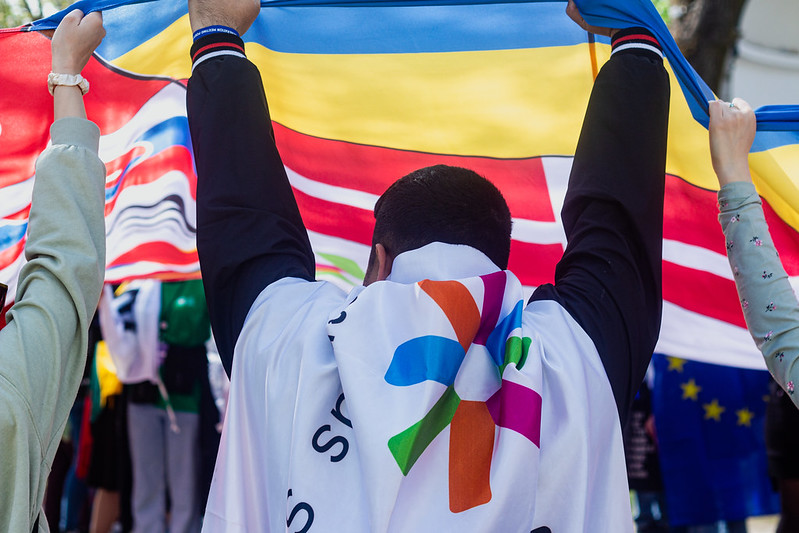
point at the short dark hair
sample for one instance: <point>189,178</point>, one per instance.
<point>444,204</point>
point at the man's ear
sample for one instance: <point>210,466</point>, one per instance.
<point>379,265</point>
<point>384,262</point>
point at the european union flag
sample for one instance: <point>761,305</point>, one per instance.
<point>709,421</point>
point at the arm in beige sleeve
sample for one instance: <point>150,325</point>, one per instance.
<point>43,345</point>
<point>767,298</point>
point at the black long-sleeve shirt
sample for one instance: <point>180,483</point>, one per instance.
<point>250,233</point>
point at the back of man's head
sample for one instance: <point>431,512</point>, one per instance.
<point>444,204</point>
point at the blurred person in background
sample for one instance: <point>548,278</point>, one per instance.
<point>156,334</point>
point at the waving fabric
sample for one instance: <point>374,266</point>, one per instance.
<point>362,92</point>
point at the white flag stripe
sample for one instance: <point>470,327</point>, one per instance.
<point>331,193</point>
<point>146,269</point>
<point>524,230</point>
<point>355,251</point>
<point>690,335</point>
<point>132,236</point>
<point>537,232</point>
<point>167,103</point>
<point>16,197</point>
<point>556,171</point>
<point>697,258</point>
<point>10,274</point>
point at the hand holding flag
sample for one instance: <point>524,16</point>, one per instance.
<point>74,41</point>
<point>73,44</point>
<point>574,14</point>
<point>732,132</point>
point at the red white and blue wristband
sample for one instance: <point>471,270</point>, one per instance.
<point>215,41</point>
<point>635,39</point>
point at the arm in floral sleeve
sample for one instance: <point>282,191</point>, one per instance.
<point>769,305</point>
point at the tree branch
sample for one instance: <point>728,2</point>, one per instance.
<point>706,33</point>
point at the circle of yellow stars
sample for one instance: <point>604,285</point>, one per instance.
<point>713,410</point>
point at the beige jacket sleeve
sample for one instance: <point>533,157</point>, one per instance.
<point>43,346</point>
<point>767,299</point>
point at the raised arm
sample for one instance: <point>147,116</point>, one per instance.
<point>767,298</point>
<point>249,229</point>
<point>609,278</point>
<point>43,345</point>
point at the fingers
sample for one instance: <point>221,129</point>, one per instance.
<point>92,26</point>
<point>574,14</point>
<point>715,109</point>
<point>72,18</point>
<point>738,110</point>
<point>75,21</point>
<point>74,41</point>
<point>732,132</point>
<point>69,22</point>
<point>743,105</point>
<point>93,22</point>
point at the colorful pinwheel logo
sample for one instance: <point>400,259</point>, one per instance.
<point>472,423</point>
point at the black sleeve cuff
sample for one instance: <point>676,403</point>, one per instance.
<point>214,45</point>
<point>635,40</point>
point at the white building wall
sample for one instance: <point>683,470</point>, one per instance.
<point>766,67</point>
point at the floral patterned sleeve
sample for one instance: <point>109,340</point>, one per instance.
<point>768,301</point>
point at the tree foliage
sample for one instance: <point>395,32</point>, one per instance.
<point>663,8</point>
<point>18,12</point>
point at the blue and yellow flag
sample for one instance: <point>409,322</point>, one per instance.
<point>362,92</point>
